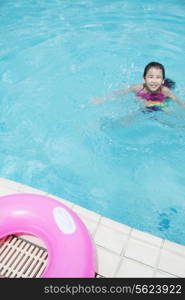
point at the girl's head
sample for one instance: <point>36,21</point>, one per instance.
<point>154,65</point>
<point>154,77</point>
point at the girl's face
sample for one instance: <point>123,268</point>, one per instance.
<point>154,79</point>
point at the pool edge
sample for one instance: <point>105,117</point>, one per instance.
<point>130,252</point>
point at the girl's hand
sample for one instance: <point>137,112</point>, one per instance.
<point>97,100</point>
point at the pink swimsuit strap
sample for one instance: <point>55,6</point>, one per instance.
<point>151,96</point>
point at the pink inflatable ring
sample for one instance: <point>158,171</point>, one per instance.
<point>70,247</point>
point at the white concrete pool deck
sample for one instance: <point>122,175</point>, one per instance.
<point>122,251</point>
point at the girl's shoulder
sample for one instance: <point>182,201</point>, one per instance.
<point>166,91</point>
<point>136,88</point>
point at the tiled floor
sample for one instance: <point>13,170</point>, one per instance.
<point>121,251</point>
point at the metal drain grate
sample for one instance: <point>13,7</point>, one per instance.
<point>20,258</point>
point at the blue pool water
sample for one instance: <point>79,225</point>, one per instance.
<point>54,57</point>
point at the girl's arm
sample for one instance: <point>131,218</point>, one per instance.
<point>168,93</point>
<point>133,88</point>
<point>115,95</point>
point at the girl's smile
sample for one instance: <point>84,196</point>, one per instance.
<point>154,79</point>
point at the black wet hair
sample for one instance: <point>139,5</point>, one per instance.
<point>167,82</point>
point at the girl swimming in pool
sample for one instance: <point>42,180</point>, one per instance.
<point>154,93</point>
